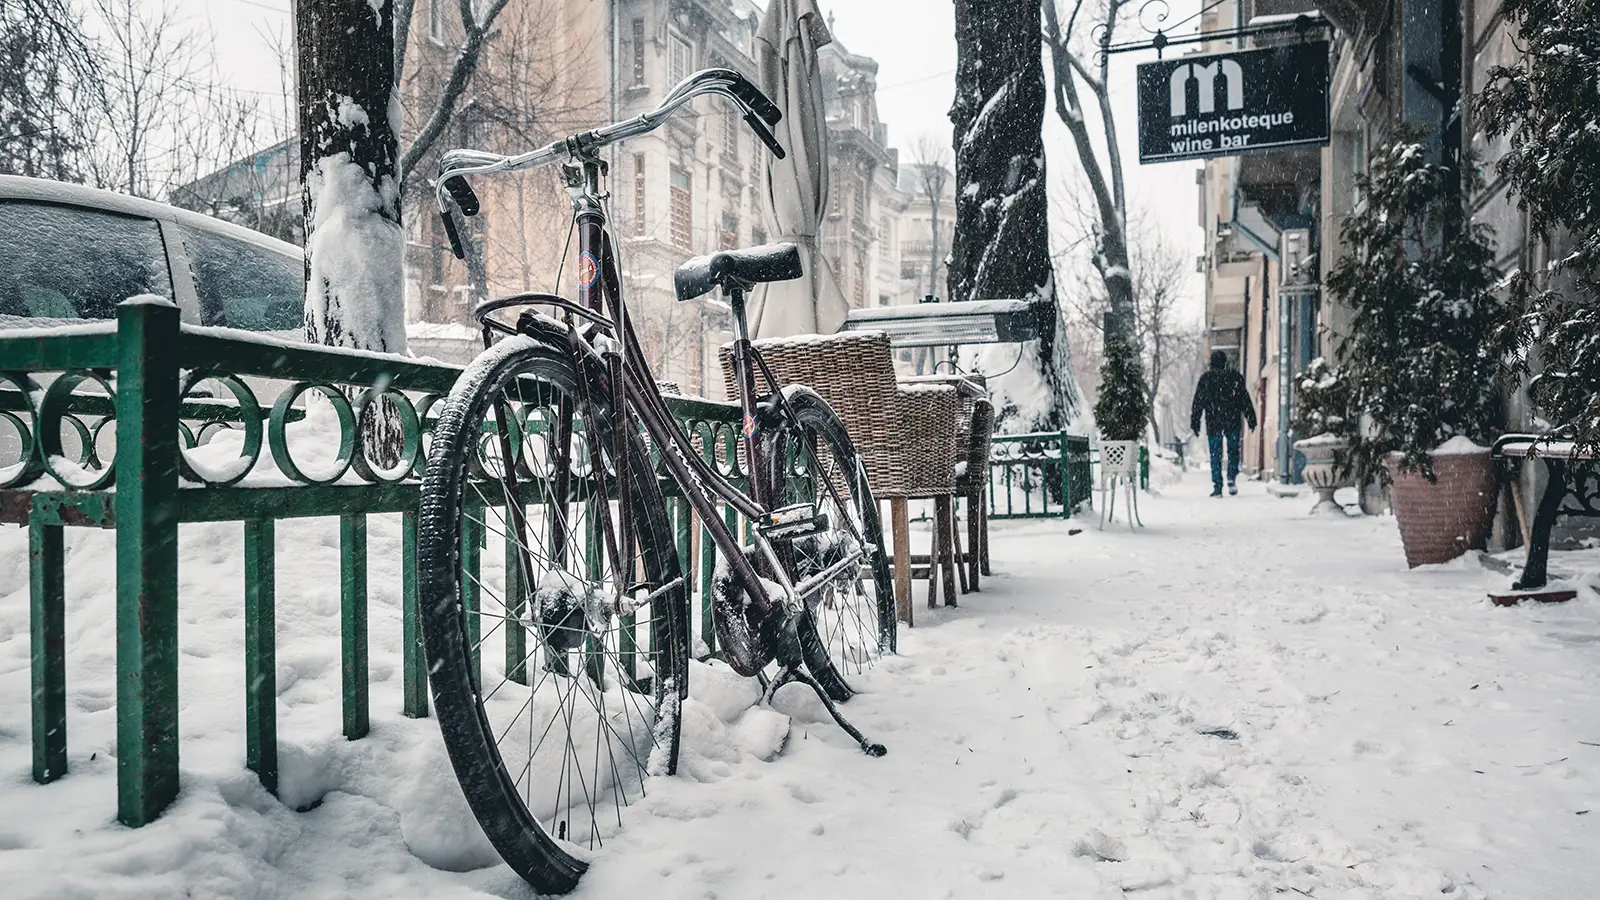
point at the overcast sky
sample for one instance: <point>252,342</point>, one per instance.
<point>914,44</point>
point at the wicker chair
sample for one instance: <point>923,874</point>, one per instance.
<point>905,435</point>
<point>974,434</point>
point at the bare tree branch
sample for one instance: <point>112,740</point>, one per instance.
<point>1102,94</point>
<point>931,157</point>
<point>1070,110</point>
<point>466,63</point>
<point>403,12</point>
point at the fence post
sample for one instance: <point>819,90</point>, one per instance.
<point>472,538</point>
<point>147,559</point>
<point>353,622</point>
<point>413,663</point>
<point>1066,475</point>
<point>47,624</point>
<point>516,603</point>
<point>261,652</point>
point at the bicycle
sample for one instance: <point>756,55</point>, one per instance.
<point>543,440</point>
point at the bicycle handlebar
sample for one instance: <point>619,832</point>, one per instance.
<point>760,113</point>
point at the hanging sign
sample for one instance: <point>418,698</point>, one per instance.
<point>1224,104</point>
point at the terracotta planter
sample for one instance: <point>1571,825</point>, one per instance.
<point>1441,521</point>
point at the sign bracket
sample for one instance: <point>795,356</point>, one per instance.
<point>1302,24</point>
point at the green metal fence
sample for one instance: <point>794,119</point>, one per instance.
<point>1040,475</point>
<point>158,389</point>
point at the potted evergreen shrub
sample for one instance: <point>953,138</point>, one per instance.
<point>1544,108</point>
<point>1419,280</point>
<point>1120,411</point>
<point>1322,422</point>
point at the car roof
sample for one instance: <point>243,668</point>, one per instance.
<point>17,187</point>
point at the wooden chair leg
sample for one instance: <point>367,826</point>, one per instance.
<point>956,552</point>
<point>900,523</point>
<point>974,538</point>
<point>946,541</point>
<point>983,531</point>
<point>933,558</point>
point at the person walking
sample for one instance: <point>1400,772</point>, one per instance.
<point>1222,399</point>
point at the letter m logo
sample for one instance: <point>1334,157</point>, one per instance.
<point>1205,74</point>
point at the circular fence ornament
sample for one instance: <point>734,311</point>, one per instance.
<point>372,407</point>
<point>277,431</point>
<point>193,462</point>
<point>23,466</point>
<point>88,472</point>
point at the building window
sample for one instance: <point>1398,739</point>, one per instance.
<point>884,244</point>
<point>638,51</point>
<point>730,231</point>
<point>638,193</point>
<point>682,208</point>
<point>859,288</point>
<point>730,130</point>
<point>436,20</point>
<point>757,237</point>
<point>682,61</point>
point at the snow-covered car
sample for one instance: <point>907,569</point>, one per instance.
<point>70,253</point>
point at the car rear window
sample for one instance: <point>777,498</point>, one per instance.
<point>245,285</point>
<point>70,262</point>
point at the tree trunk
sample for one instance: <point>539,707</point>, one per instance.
<point>1001,244</point>
<point>355,293</point>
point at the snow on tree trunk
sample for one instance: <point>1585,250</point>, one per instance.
<point>355,292</point>
<point>1001,246</point>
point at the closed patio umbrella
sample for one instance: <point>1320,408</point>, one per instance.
<point>797,186</point>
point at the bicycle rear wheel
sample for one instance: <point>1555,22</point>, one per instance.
<point>848,626</point>
<point>553,613</point>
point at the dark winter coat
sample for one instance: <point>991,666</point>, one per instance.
<point>1221,398</point>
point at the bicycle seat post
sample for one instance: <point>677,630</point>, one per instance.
<point>741,329</point>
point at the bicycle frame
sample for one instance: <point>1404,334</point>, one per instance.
<point>745,636</point>
<point>633,384</point>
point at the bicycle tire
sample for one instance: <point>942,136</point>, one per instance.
<point>840,634</point>
<point>461,442</point>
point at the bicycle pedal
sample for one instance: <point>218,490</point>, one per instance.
<point>792,522</point>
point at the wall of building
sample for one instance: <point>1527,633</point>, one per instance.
<point>556,67</point>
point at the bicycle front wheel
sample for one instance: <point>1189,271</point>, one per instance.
<point>848,625</point>
<point>552,608</point>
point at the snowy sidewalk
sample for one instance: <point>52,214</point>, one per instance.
<point>1373,733</point>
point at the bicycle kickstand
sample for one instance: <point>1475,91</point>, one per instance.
<point>787,674</point>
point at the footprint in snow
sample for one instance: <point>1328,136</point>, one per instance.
<point>1098,846</point>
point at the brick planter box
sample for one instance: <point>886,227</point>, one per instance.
<point>1440,521</point>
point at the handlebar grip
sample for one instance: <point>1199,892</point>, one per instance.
<point>462,193</point>
<point>454,235</point>
<point>751,96</point>
<point>765,134</point>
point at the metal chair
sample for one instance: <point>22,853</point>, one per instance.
<point>1119,467</point>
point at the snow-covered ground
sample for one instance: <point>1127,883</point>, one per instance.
<point>1238,701</point>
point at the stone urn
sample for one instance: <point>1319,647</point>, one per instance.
<point>1322,471</point>
<point>1442,519</point>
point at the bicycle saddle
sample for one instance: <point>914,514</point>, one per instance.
<point>738,268</point>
